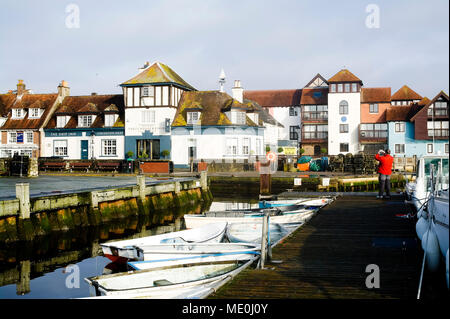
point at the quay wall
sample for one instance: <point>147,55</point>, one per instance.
<point>250,186</point>
<point>24,218</point>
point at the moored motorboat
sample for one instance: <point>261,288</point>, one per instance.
<point>163,281</point>
<point>123,250</point>
<point>153,256</point>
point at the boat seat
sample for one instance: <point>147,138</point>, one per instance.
<point>162,282</point>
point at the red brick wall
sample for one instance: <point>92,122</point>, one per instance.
<point>154,167</point>
<point>380,117</point>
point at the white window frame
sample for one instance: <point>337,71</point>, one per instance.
<point>61,121</point>
<point>345,107</point>
<point>110,120</point>
<point>35,113</point>
<point>148,116</point>
<point>372,107</point>
<point>245,146</point>
<point>18,113</point>
<point>343,128</point>
<point>148,91</point>
<point>12,137</point>
<point>27,136</point>
<point>399,148</point>
<point>231,145</point>
<point>400,127</point>
<point>109,147</point>
<point>85,120</point>
<point>193,117</point>
<point>428,148</point>
<point>60,148</point>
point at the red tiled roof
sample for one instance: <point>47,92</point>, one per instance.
<point>43,101</point>
<point>369,95</point>
<point>405,93</point>
<point>6,102</point>
<point>274,98</point>
<point>344,76</point>
<point>314,96</point>
<point>398,113</point>
<point>88,104</point>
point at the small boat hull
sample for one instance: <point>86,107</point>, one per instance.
<point>295,217</point>
<point>124,250</point>
<point>163,281</point>
<point>155,256</point>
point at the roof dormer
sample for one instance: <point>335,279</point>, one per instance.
<point>345,82</point>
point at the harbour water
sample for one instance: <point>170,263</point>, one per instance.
<point>55,266</point>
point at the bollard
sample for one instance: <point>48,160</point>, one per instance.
<point>204,180</point>
<point>23,194</point>
<point>264,240</point>
<point>141,186</point>
<point>177,187</point>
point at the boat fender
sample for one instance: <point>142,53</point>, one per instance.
<point>430,245</point>
<point>446,267</point>
<point>421,227</point>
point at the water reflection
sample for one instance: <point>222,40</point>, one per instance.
<point>39,268</point>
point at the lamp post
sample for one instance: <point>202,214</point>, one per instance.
<point>92,144</point>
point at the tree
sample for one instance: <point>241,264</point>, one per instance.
<point>130,154</point>
<point>302,150</point>
<point>267,148</point>
<point>280,150</point>
<point>323,150</point>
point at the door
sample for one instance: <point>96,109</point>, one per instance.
<point>84,149</point>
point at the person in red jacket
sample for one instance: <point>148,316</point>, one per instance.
<point>384,171</point>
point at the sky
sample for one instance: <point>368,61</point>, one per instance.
<point>97,45</point>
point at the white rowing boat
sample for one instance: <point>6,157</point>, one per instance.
<point>154,256</point>
<point>252,232</point>
<point>165,281</point>
<point>231,217</point>
<point>314,202</point>
<point>123,250</point>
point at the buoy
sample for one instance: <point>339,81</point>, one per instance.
<point>446,267</point>
<point>430,245</point>
<point>421,227</point>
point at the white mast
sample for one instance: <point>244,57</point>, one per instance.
<point>222,80</point>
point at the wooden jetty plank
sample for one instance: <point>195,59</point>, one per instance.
<point>327,257</point>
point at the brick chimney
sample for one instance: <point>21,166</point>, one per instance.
<point>20,87</point>
<point>63,89</point>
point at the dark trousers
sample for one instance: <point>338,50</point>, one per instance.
<point>385,182</point>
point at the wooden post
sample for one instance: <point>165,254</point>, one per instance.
<point>264,240</point>
<point>204,180</point>
<point>141,186</point>
<point>265,180</point>
<point>23,194</point>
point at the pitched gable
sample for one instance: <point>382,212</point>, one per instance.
<point>158,73</point>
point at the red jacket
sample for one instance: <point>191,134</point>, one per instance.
<point>386,161</point>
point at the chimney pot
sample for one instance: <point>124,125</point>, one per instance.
<point>93,93</point>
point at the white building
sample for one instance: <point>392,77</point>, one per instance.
<point>86,127</point>
<point>344,112</point>
<point>284,107</point>
<point>211,126</point>
<point>151,99</point>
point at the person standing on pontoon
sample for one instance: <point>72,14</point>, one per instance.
<point>384,171</point>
